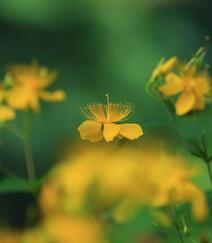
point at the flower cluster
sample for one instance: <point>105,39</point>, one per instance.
<point>63,229</point>
<point>119,181</point>
<point>128,177</point>
<point>188,83</point>
<point>23,87</point>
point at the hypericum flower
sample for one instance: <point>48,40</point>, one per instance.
<point>64,229</point>
<point>102,120</point>
<point>164,67</point>
<point>28,87</point>
<point>112,179</point>
<point>193,87</point>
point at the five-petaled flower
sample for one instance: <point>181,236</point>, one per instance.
<point>102,120</point>
<point>192,86</point>
<point>28,87</point>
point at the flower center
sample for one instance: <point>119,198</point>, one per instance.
<point>190,84</point>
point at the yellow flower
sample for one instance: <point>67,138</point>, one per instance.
<point>6,112</point>
<point>192,86</point>
<point>34,235</point>
<point>126,179</point>
<point>102,120</point>
<point>10,236</point>
<point>164,68</point>
<point>28,87</point>
<point>64,229</point>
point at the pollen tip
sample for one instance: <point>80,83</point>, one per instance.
<point>108,98</point>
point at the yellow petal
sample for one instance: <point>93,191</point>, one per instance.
<point>32,73</point>
<point>202,85</point>
<point>34,102</point>
<point>2,94</point>
<point>111,130</point>
<point>164,68</point>
<point>131,131</point>
<point>19,97</point>
<point>198,201</point>
<point>168,65</point>
<point>174,85</point>
<point>58,95</point>
<point>91,130</point>
<point>188,192</point>
<point>185,103</point>
<point>6,113</point>
<point>156,72</point>
<point>199,103</point>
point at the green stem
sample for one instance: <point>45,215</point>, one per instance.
<point>181,240</point>
<point>29,159</point>
<point>28,148</point>
<point>13,129</point>
<point>209,171</point>
<point>24,136</point>
<point>176,225</point>
<point>207,159</point>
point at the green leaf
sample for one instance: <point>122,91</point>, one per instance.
<point>197,229</point>
<point>194,125</point>
<point>11,185</point>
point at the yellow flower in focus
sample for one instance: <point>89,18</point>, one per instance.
<point>102,122</point>
<point>192,87</point>
<point>28,87</point>
<point>164,68</point>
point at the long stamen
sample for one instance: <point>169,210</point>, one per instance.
<point>109,112</point>
<point>108,98</point>
<point>107,107</point>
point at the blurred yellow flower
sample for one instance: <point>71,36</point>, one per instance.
<point>36,234</point>
<point>174,185</point>
<point>72,230</point>
<point>10,236</point>
<point>164,67</point>
<point>129,179</point>
<point>28,87</point>
<point>64,229</point>
<point>192,86</point>
<point>6,113</point>
<point>102,120</point>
